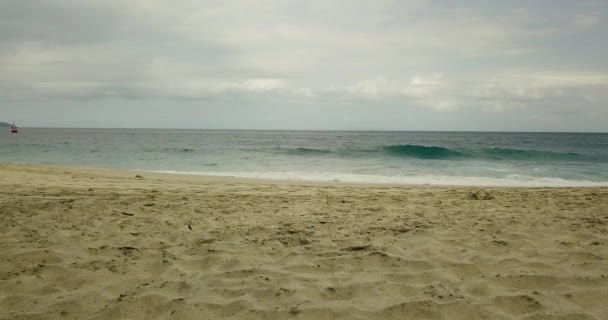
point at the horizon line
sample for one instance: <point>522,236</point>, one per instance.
<point>309,130</point>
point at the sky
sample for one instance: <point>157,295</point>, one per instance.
<point>320,65</point>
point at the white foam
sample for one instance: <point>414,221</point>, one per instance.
<point>507,181</point>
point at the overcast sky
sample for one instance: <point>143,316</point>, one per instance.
<point>381,65</point>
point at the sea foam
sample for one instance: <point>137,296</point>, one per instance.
<point>508,181</point>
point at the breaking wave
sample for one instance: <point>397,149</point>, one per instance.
<point>433,152</point>
<point>443,153</point>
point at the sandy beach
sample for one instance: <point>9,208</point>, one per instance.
<point>101,244</point>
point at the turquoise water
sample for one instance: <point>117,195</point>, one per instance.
<point>445,158</point>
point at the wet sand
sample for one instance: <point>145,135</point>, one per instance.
<point>102,244</point>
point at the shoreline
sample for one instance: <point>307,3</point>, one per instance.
<point>212,178</point>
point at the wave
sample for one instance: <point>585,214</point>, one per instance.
<point>423,152</point>
<point>443,153</point>
<point>434,152</point>
<point>348,152</point>
<point>516,154</point>
<point>308,151</point>
<point>439,180</point>
<point>171,150</point>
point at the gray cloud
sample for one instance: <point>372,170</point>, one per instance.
<point>346,60</point>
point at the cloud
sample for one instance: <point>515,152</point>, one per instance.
<point>438,55</point>
<point>586,20</point>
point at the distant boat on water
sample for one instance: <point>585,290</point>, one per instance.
<point>14,128</point>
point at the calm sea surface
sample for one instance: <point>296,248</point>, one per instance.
<point>448,158</point>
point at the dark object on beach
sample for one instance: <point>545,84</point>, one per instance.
<point>358,248</point>
<point>128,214</point>
<point>480,195</point>
<point>127,251</point>
<point>138,176</point>
<point>190,227</point>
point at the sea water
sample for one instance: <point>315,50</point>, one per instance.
<point>439,158</point>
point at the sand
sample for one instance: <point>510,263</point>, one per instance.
<point>100,244</point>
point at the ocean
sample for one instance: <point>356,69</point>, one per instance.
<point>435,158</point>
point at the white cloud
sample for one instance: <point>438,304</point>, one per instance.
<point>586,20</point>
<point>440,56</point>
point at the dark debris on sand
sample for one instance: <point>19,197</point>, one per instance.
<point>480,195</point>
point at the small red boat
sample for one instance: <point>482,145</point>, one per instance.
<point>14,128</point>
